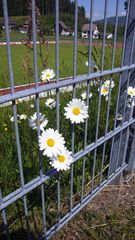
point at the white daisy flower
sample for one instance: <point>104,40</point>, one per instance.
<point>32,97</point>
<point>84,96</point>
<point>107,98</point>
<point>26,99</point>
<point>86,63</point>
<point>104,90</point>
<point>50,103</point>
<point>108,82</point>
<point>76,111</point>
<point>32,105</point>
<point>63,160</point>
<point>47,75</point>
<point>51,142</point>
<point>119,117</point>
<point>42,94</point>
<point>6,104</point>
<point>12,119</point>
<point>33,121</point>
<point>23,117</point>
<point>130,103</point>
<point>131,91</point>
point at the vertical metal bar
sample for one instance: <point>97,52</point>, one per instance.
<point>99,100</point>
<point>57,96</point>
<point>38,108</point>
<point>15,111</point>
<point>4,217</point>
<point>109,97</point>
<point>75,36</point>
<point>34,42</point>
<point>111,162</point>
<point>106,130</point>
<point>5,11</point>
<point>90,37</point>
<point>126,139</point>
<point>87,94</point>
<point>131,161</point>
<point>97,126</point>
<point>115,33</point>
<point>104,36</point>
<point>125,103</point>
<point>85,141</point>
<point>73,133</point>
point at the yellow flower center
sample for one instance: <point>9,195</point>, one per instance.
<point>76,111</point>
<point>17,101</point>
<point>131,92</point>
<point>50,142</point>
<point>40,122</point>
<point>48,75</point>
<point>61,158</point>
<point>104,90</point>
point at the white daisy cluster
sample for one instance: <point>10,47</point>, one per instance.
<point>52,144</point>
<point>50,103</point>
<point>33,121</point>
<point>76,111</point>
<point>84,96</point>
<point>47,75</point>
<point>51,141</point>
<point>20,117</point>
<point>105,88</point>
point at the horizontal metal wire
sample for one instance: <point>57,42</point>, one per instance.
<point>85,201</point>
<point>63,83</point>
<point>21,193</point>
<point>11,198</point>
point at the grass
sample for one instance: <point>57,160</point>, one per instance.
<point>9,171</point>
<point>17,36</point>
<point>22,61</point>
<point>110,216</point>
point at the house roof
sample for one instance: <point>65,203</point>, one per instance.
<point>63,25</point>
<point>86,27</point>
<point>11,22</point>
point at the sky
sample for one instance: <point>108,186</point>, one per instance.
<point>99,8</point>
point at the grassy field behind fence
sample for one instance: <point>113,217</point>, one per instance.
<point>22,61</point>
<point>9,172</point>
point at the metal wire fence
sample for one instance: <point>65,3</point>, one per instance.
<point>121,137</point>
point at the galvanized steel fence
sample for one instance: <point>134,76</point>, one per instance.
<point>121,154</point>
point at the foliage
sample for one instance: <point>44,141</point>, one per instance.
<point>111,29</point>
<point>10,180</point>
<point>20,7</point>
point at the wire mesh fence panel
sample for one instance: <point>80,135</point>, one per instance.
<point>92,114</point>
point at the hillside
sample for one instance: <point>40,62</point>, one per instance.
<point>111,20</point>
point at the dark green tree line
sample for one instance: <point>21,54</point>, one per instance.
<point>46,7</point>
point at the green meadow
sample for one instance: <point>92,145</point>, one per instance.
<point>22,61</point>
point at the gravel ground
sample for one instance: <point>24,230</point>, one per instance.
<point>110,216</point>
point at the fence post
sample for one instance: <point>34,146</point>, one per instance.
<point>120,148</point>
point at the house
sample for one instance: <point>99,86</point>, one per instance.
<point>23,30</point>
<point>12,24</point>
<point>86,30</point>
<point>26,26</point>
<point>63,29</point>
